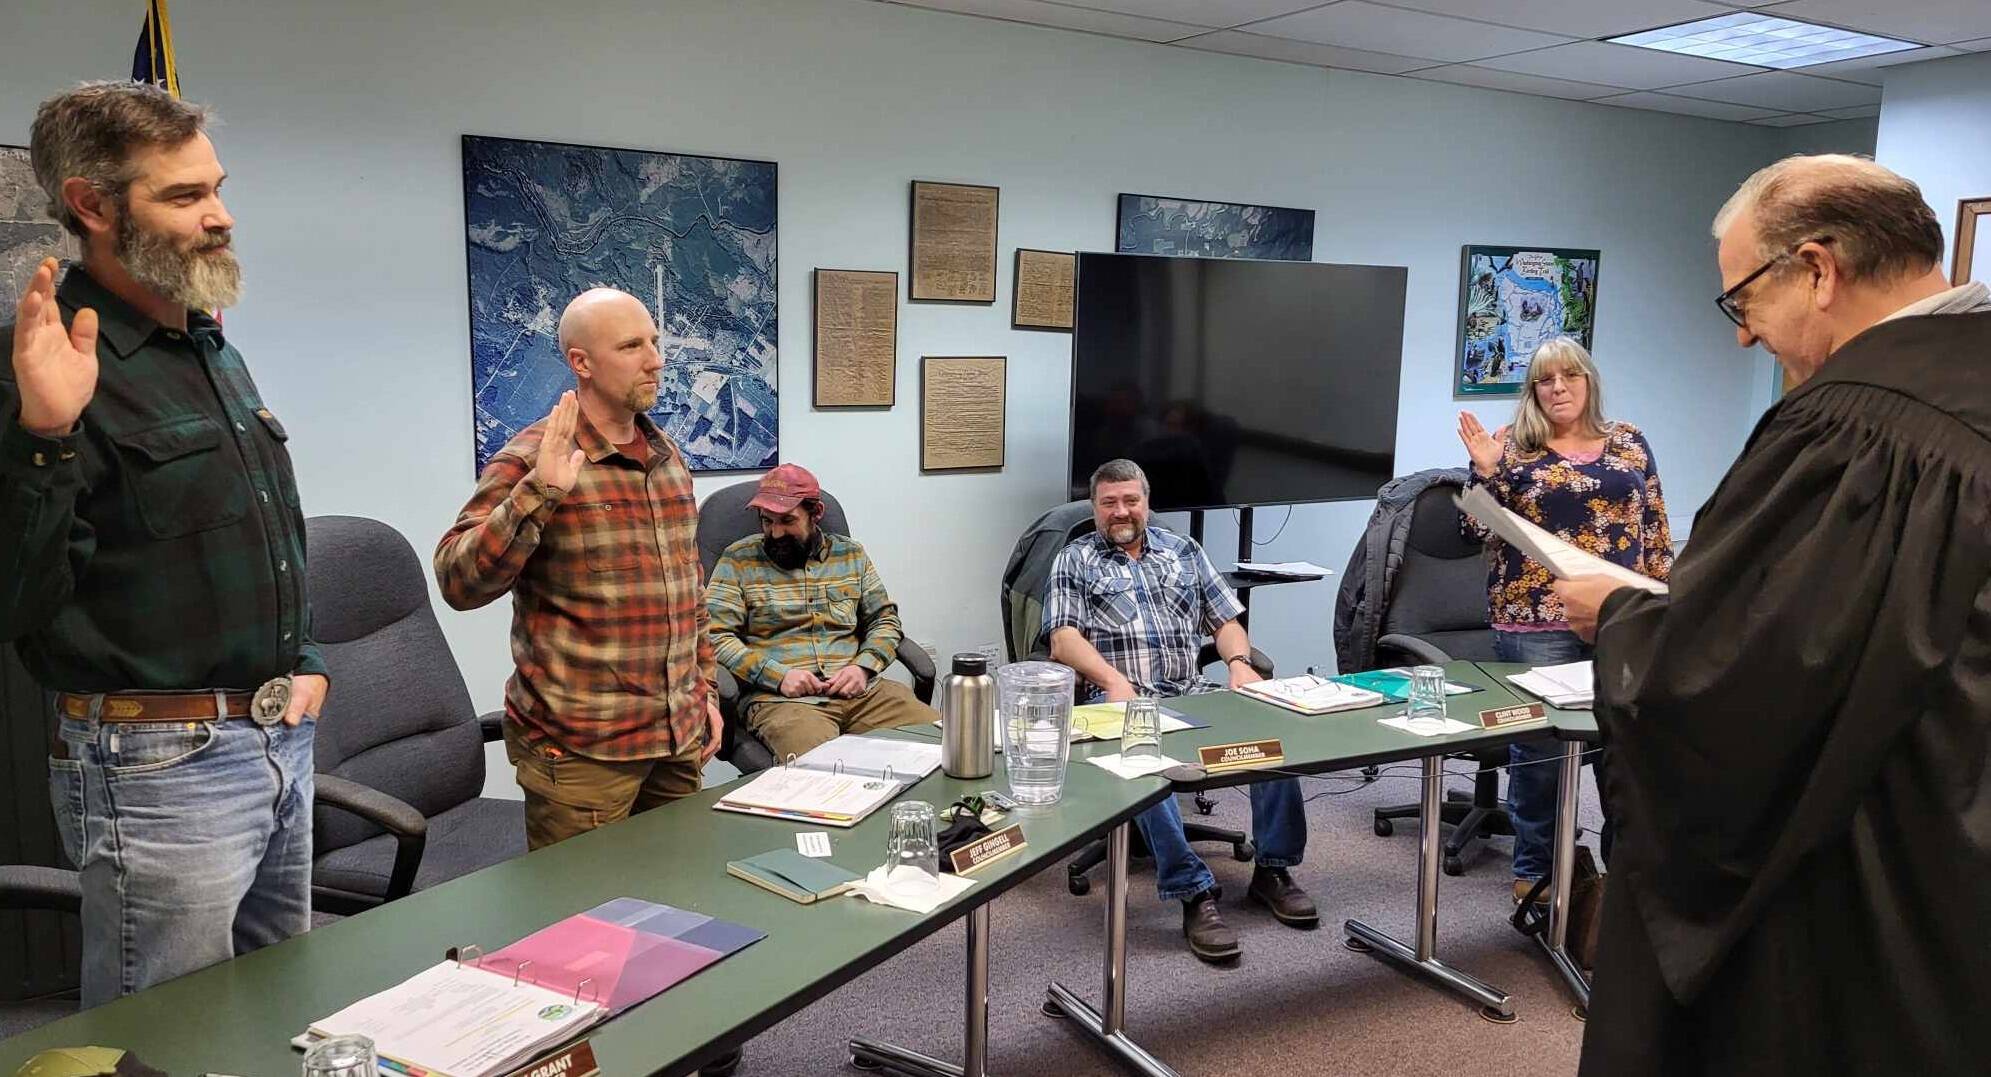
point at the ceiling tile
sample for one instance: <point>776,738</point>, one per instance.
<point>1936,22</point>
<point>1868,69</point>
<point>1858,112</point>
<point>1618,65</point>
<point>1213,13</point>
<point>1515,82</point>
<point>1982,44</point>
<point>1577,18</point>
<point>1357,24</point>
<point>1794,119</point>
<point>1687,106</point>
<point>1785,91</point>
<point>1061,16</point>
<point>1239,43</point>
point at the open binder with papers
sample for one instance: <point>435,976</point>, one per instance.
<point>1571,686</point>
<point>1309,694</point>
<point>837,783</point>
<point>1562,560</point>
<point>477,1014</point>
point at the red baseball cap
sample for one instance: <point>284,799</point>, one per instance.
<point>786,487</point>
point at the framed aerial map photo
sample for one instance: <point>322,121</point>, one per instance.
<point>1147,224</point>
<point>27,233</point>
<point>692,237</point>
<point>1511,299</point>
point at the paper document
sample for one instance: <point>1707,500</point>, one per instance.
<point>1106,721</point>
<point>1571,686</point>
<point>810,795</point>
<point>1310,694</point>
<point>1426,727</point>
<point>461,1021</point>
<point>1560,558</point>
<point>1283,568</point>
<point>908,760</point>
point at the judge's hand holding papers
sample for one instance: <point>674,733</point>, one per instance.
<point>1581,598</point>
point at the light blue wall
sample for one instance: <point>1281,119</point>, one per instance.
<point>342,125</point>
<point>1935,128</point>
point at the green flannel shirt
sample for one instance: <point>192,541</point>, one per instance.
<point>828,614</point>
<point>160,544</point>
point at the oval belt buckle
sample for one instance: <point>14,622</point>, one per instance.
<point>270,701</point>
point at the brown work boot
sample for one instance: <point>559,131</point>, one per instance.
<point>1209,938</point>
<point>1521,888</point>
<point>1290,905</point>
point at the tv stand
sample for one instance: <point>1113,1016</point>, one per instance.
<point>1243,585</point>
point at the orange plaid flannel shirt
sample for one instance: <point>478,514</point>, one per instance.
<point>608,607</point>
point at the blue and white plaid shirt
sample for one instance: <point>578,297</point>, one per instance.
<point>1147,618</point>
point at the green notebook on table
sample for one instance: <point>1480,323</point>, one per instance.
<point>1394,684</point>
<point>792,875</point>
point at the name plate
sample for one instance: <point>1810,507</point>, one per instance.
<point>1507,717</point>
<point>1247,753</point>
<point>576,1061</point>
<point>988,850</point>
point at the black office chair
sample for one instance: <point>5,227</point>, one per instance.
<point>49,900</point>
<point>1434,612</point>
<point>1024,582</point>
<point>724,519</point>
<point>400,749</point>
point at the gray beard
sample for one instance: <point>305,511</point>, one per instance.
<point>188,278</point>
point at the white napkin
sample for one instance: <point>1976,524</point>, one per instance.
<point>876,887</point>
<point>1427,727</point>
<point>1137,767</point>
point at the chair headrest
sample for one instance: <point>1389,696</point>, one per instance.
<point>362,575</point>
<point>1434,524</point>
<point>725,518</point>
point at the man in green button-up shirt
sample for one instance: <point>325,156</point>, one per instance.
<point>152,555</point>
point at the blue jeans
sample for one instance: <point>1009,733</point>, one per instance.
<point>1278,828</point>
<point>1533,774</point>
<point>194,841</point>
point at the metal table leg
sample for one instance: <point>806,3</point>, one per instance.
<point>886,1058</point>
<point>1495,1003</point>
<point>1106,1026</point>
<point>1555,939</point>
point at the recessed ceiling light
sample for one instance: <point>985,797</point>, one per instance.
<point>1764,40</point>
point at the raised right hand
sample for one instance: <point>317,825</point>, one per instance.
<point>56,368</point>
<point>1485,449</point>
<point>801,682</point>
<point>560,463</point>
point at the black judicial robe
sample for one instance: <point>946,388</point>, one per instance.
<point>1801,741</point>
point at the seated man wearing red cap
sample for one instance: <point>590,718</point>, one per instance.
<point>801,618</point>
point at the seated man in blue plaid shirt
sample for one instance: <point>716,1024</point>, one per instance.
<point>1128,607</point>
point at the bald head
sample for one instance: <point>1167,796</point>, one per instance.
<point>610,343</point>
<point>1878,225</point>
<point>594,309</point>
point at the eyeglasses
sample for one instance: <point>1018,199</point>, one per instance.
<point>1562,378</point>
<point>1726,300</point>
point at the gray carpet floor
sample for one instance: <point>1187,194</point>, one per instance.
<point>1298,1002</point>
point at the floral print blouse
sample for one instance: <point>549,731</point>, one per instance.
<point>1609,506</point>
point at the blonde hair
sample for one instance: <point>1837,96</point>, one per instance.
<point>1558,355</point>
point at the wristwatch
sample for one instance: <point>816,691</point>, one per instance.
<point>1238,658</point>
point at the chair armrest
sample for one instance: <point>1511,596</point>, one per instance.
<point>727,685</point>
<point>492,726</point>
<point>25,886</point>
<point>1425,653</point>
<point>1260,661</point>
<point>397,817</point>
<point>914,658</point>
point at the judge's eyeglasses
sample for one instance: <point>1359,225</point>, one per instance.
<point>1727,300</point>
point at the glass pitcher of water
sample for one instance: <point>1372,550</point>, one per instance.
<point>1035,704</point>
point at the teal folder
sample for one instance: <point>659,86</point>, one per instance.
<point>792,875</point>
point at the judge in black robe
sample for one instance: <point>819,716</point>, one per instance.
<point>1801,730</point>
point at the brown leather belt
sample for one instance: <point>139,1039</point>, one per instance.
<point>156,706</point>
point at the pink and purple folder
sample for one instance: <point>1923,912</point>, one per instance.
<point>621,952</point>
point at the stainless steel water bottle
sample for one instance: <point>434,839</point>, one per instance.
<point>967,713</point>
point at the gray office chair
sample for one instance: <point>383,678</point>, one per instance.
<point>400,749</point>
<point>724,519</point>
<point>1435,612</point>
<point>48,900</point>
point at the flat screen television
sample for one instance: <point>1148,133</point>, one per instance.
<point>1237,382</point>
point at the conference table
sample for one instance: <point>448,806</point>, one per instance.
<point>238,1017</point>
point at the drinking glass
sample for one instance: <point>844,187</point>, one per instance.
<point>341,1056</point>
<point>912,854</point>
<point>1427,695</point>
<point>1036,703</point>
<point>1140,736</point>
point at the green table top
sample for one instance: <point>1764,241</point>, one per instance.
<point>238,1017</point>
<point>1334,741</point>
<point>1568,724</point>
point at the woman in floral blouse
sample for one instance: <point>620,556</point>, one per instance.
<point>1594,484</point>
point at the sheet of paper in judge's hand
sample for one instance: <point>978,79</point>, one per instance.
<point>1566,562</point>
